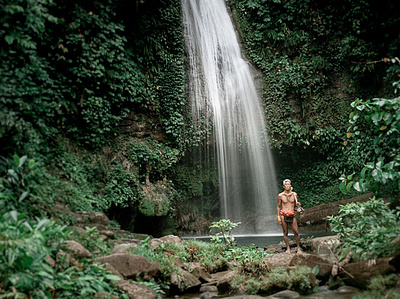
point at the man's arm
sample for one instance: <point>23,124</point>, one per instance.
<point>297,201</point>
<point>278,208</point>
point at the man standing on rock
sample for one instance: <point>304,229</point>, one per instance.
<point>286,216</point>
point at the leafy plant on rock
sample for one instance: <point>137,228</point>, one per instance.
<point>367,229</point>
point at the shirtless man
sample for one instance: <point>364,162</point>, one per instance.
<point>288,199</point>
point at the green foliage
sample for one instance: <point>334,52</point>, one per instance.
<point>381,287</point>
<point>248,259</point>
<point>121,188</point>
<point>93,242</point>
<point>367,228</point>
<point>245,283</point>
<point>17,180</point>
<point>71,68</point>
<point>209,255</point>
<point>160,43</point>
<point>24,246</point>
<point>157,200</point>
<point>90,52</point>
<point>167,266</point>
<point>302,53</point>
<point>279,278</point>
<point>377,121</point>
<point>27,92</point>
<point>86,282</point>
<point>224,228</point>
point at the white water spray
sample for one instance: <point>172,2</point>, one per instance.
<point>223,95</point>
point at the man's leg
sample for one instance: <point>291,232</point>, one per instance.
<point>295,230</point>
<point>285,234</point>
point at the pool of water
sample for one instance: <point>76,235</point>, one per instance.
<point>262,240</point>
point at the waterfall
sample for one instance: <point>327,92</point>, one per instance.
<point>224,100</point>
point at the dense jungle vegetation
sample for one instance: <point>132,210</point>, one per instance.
<point>94,92</point>
<point>94,113</point>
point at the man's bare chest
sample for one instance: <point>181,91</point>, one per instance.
<point>288,198</point>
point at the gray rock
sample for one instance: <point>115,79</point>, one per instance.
<point>207,288</point>
<point>184,280</point>
<point>324,244</point>
<point>200,272</point>
<point>363,271</point>
<point>131,265</point>
<point>346,290</point>
<point>285,294</point>
<point>124,248</point>
<point>137,291</point>
<point>77,250</point>
<point>312,260</point>
<point>171,239</point>
<point>209,295</point>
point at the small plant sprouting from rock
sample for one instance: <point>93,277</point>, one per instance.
<point>224,227</point>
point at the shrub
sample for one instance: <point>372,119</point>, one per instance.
<point>367,228</point>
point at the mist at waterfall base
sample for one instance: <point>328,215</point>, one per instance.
<point>226,106</point>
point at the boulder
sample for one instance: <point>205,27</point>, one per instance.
<point>77,250</point>
<point>124,248</point>
<point>171,239</point>
<point>285,294</point>
<point>224,280</point>
<point>209,295</point>
<point>131,265</point>
<point>112,270</point>
<point>83,218</point>
<point>244,297</point>
<point>363,271</point>
<point>108,233</point>
<point>137,291</point>
<point>312,260</point>
<point>208,289</point>
<point>201,273</point>
<point>154,243</point>
<point>184,281</point>
<point>324,244</point>
<point>278,260</point>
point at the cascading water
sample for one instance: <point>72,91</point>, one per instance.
<point>223,95</point>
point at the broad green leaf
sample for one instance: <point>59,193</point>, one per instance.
<point>14,215</point>
<point>349,185</point>
<point>23,196</point>
<point>357,186</point>
<point>22,161</point>
<point>342,187</point>
<point>376,117</point>
<point>315,270</point>
<point>16,160</point>
<point>42,223</point>
<point>31,163</point>
<point>26,224</point>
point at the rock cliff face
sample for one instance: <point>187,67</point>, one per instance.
<point>140,126</point>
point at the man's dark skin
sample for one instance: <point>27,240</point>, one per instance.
<point>287,200</point>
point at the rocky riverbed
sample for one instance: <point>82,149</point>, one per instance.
<point>191,280</point>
